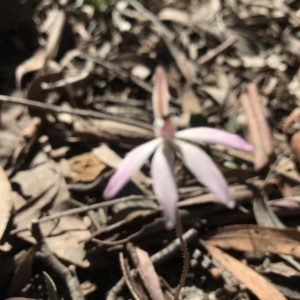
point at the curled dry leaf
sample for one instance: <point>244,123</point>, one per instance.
<point>34,63</point>
<point>38,59</point>
<point>6,201</point>
<point>256,283</point>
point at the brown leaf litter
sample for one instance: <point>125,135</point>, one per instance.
<point>75,96</point>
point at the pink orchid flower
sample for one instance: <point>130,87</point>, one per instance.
<point>168,142</point>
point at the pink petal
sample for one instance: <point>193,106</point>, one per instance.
<point>205,170</point>
<point>160,95</point>
<point>164,184</point>
<point>214,136</point>
<point>132,162</point>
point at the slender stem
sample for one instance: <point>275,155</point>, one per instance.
<point>185,257</point>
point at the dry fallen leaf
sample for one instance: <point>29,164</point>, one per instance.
<point>282,269</point>
<point>256,283</point>
<point>47,191</point>
<point>148,274</point>
<point>85,167</point>
<point>257,238</point>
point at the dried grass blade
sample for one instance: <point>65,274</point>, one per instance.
<point>263,126</point>
<point>260,156</point>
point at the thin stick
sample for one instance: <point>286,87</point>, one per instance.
<point>216,51</point>
<point>47,107</point>
<point>78,210</point>
<point>164,254</point>
<point>185,257</point>
<point>127,275</point>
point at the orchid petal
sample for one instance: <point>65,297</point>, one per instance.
<point>214,136</point>
<point>132,162</point>
<point>164,183</point>
<point>160,95</point>
<point>204,169</point>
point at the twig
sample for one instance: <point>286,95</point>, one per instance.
<point>168,37</point>
<point>169,251</point>
<point>90,213</point>
<point>127,275</point>
<point>181,61</point>
<point>125,74</point>
<point>79,210</point>
<point>118,242</point>
<point>47,107</point>
<point>150,16</point>
<point>157,259</point>
<point>185,256</point>
<point>216,51</point>
<point>67,275</point>
<point>240,193</point>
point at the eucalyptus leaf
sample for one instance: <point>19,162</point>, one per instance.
<point>51,288</point>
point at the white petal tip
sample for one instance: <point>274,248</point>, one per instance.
<point>231,204</point>
<point>170,225</point>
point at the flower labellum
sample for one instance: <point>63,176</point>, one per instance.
<point>168,141</point>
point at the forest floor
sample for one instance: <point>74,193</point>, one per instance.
<point>76,80</point>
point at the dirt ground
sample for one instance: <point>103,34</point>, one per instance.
<point>76,83</point>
